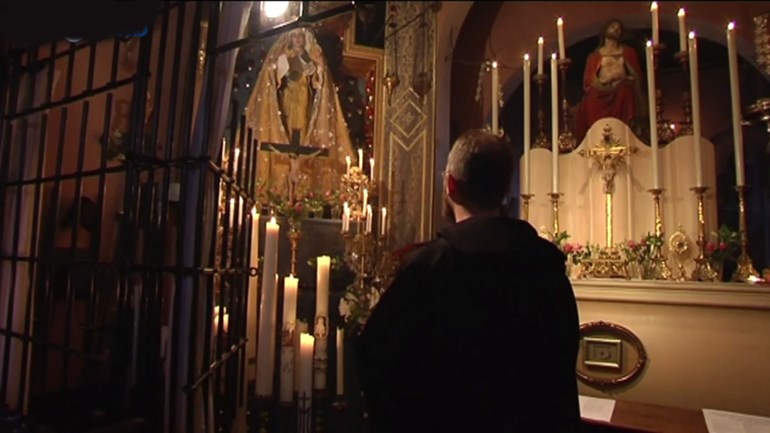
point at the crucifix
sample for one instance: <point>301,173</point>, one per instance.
<point>296,154</point>
<point>609,154</point>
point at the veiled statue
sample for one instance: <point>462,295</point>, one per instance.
<point>295,102</point>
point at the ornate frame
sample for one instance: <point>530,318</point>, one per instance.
<point>622,334</point>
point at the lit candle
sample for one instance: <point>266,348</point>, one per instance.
<point>345,218</point>
<point>267,318</point>
<point>735,99</point>
<point>527,114</point>
<point>560,31</point>
<point>252,302</point>
<point>554,124</point>
<point>232,212</point>
<point>290,284</point>
<point>366,200</point>
<point>320,330</point>
<point>340,361</point>
<point>235,160</point>
<point>383,221</point>
<point>495,96</point>
<point>301,328</point>
<point>305,389</point>
<point>682,30</point>
<point>361,160</point>
<point>695,92</point>
<point>655,23</point>
<point>371,168</point>
<point>368,218</point>
<point>653,118</point>
<point>225,318</point>
<point>240,210</point>
<point>347,161</point>
<point>540,55</point>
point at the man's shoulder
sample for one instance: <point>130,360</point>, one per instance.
<point>422,254</point>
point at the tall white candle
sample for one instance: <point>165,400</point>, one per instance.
<point>252,301</point>
<point>655,23</point>
<point>366,200</point>
<point>495,91</point>
<point>560,32</point>
<point>383,221</point>
<point>290,284</point>
<point>321,330</point>
<point>653,120</point>
<point>527,121</point>
<point>267,317</point>
<point>254,257</point>
<point>347,162</point>
<point>554,124</point>
<point>305,389</point>
<point>695,92</point>
<point>345,218</point>
<point>232,212</point>
<point>361,160</point>
<point>340,361</point>
<point>540,55</point>
<point>735,100</point>
<point>322,286</point>
<point>301,328</point>
<point>682,30</point>
<point>235,160</point>
<point>371,168</point>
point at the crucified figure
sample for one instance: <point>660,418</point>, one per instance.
<point>294,176</point>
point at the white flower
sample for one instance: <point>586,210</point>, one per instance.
<point>344,308</point>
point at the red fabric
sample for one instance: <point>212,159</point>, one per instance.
<point>618,102</point>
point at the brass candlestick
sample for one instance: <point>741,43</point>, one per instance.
<point>745,268</point>
<point>703,270</point>
<point>541,141</point>
<point>525,198</point>
<point>660,269</point>
<point>665,133</point>
<point>294,234</point>
<point>567,140</point>
<point>685,126</point>
<point>555,203</point>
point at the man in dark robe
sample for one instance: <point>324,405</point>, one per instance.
<point>479,330</point>
<point>611,83</point>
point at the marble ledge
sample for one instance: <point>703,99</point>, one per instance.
<point>687,293</point>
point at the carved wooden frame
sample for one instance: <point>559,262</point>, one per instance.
<point>624,334</point>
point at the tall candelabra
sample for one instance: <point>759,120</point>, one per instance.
<point>567,140</point>
<point>665,133</point>
<point>745,268</point>
<point>541,140</point>
<point>685,126</point>
<point>703,270</point>
<point>659,268</point>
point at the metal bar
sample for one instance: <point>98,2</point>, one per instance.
<point>203,377</point>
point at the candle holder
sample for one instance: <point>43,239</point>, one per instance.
<point>659,267</point>
<point>525,198</point>
<point>703,270</point>
<point>264,409</point>
<point>555,207</point>
<point>304,414</point>
<point>541,140</point>
<point>685,126</point>
<point>294,234</point>
<point>567,140</point>
<point>665,133</point>
<point>745,268</point>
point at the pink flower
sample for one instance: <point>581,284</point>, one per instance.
<point>631,244</point>
<point>722,246</point>
<point>710,247</point>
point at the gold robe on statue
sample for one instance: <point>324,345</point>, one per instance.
<point>295,97</point>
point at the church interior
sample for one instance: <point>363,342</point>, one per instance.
<point>199,215</point>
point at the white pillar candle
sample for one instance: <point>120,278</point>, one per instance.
<point>320,329</point>
<point>383,221</point>
<point>735,100</point>
<point>371,168</point>
<point>267,317</point>
<point>655,23</point>
<point>554,124</point>
<point>495,90</point>
<point>240,211</point>
<point>369,218</point>
<point>361,160</point>
<point>252,304</point>
<point>540,55</point>
<point>366,200</point>
<point>302,327</point>
<point>695,92</point>
<point>254,258</point>
<point>235,160</point>
<point>527,120</point>
<point>290,284</point>
<point>305,389</point>
<point>322,286</point>
<point>345,218</point>
<point>340,361</point>
<point>653,119</point>
<point>560,31</point>
<point>347,162</point>
<point>682,30</point>
<point>232,213</point>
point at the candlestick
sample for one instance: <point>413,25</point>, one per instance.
<point>340,361</point>
<point>659,269</point>
<point>383,221</point>
<point>361,160</point>
<point>555,208</point>
<point>527,121</point>
<point>554,125</point>
<point>305,391</point>
<point>655,23</point>
<point>682,30</point>
<point>695,93</point>
<point>745,269</point>
<point>540,42</point>
<point>560,33</point>
<point>290,284</point>
<point>320,330</point>
<point>703,270</point>
<point>653,120</point>
<point>735,100</point>
<point>525,199</point>
<point>267,319</point>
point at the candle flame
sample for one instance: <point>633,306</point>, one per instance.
<point>232,201</point>
<point>272,220</point>
<point>649,43</point>
<point>526,57</point>
<point>559,21</point>
<point>540,40</point>
<point>254,213</point>
<point>692,35</point>
<point>654,6</point>
<point>731,26</point>
<point>680,13</point>
<point>494,64</point>
<point>553,56</point>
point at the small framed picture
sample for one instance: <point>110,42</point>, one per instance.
<point>603,352</point>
